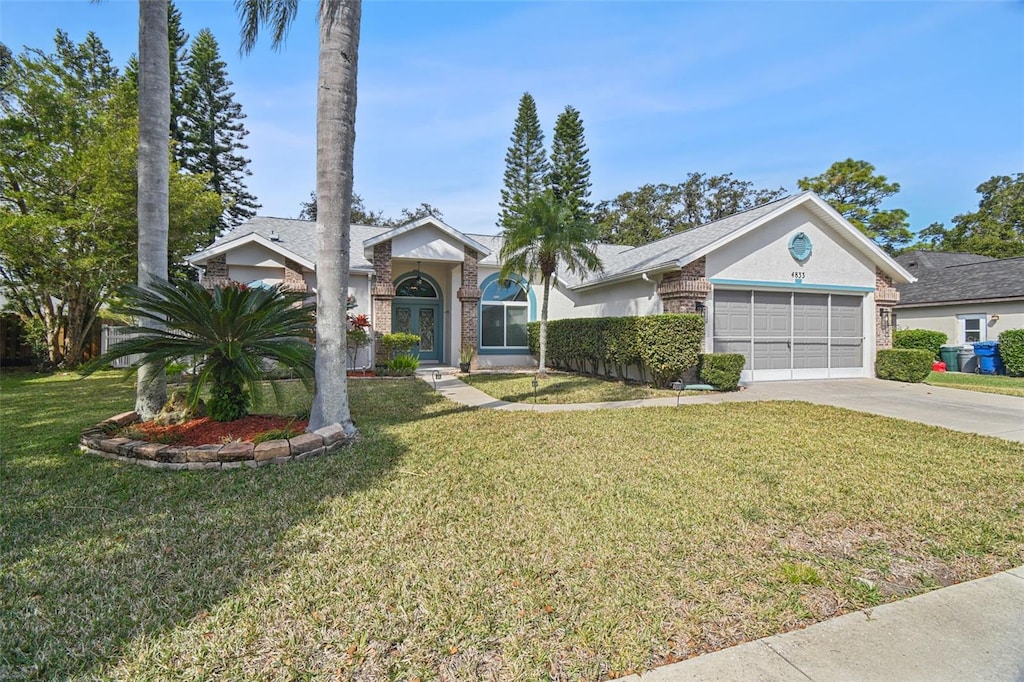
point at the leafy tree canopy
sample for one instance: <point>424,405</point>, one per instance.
<point>652,212</point>
<point>363,216</point>
<point>68,191</point>
<point>996,229</point>
<point>856,192</point>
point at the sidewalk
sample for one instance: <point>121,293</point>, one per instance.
<point>970,631</point>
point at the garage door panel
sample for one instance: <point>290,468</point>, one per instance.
<point>810,354</point>
<point>847,353</point>
<point>738,346</point>
<point>810,315</point>
<point>772,313</point>
<point>771,354</point>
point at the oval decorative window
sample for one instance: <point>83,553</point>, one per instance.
<point>800,247</point>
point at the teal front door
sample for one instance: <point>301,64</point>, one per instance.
<point>422,319</point>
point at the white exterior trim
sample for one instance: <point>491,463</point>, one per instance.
<point>251,238</point>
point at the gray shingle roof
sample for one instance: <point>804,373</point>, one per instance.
<point>951,277</point>
<point>299,237</point>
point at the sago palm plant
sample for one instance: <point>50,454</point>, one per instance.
<point>231,331</point>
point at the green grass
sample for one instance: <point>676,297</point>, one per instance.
<point>462,544</point>
<point>985,383</point>
<point>561,388</point>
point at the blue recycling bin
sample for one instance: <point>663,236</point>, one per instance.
<point>987,353</point>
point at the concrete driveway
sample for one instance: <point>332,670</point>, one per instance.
<point>969,411</point>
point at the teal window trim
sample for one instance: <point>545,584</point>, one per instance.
<point>799,284</point>
<point>531,305</point>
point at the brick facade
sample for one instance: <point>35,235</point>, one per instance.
<point>469,294</point>
<point>216,273</point>
<point>293,278</point>
<point>886,297</point>
<point>382,292</point>
<point>680,291</point>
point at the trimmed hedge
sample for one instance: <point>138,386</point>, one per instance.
<point>922,339</point>
<point>721,370</point>
<point>904,364</point>
<point>663,345</point>
<point>1011,350</point>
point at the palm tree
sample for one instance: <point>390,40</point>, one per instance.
<point>547,234</point>
<point>232,331</point>
<point>154,177</point>
<point>335,140</point>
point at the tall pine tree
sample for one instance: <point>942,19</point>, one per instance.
<point>570,169</point>
<point>212,132</point>
<point>526,164</point>
<point>177,41</point>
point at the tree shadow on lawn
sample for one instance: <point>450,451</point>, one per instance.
<point>96,554</point>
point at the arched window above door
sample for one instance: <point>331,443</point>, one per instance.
<point>415,286</point>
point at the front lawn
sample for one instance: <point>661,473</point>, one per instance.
<point>464,544</point>
<point>985,383</point>
<point>561,388</point>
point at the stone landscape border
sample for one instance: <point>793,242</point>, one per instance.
<point>102,440</point>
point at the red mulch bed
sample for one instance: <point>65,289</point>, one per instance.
<point>206,431</point>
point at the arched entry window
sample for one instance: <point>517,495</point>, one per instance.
<point>504,312</point>
<point>415,286</point>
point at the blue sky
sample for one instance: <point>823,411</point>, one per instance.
<point>931,93</point>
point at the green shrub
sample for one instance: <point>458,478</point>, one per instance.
<point>234,330</point>
<point>398,343</point>
<point>921,339</point>
<point>664,345</point>
<point>721,370</point>
<point>403,365</point>
<point>1011,350</point>
<point>904,364</point>
<point>289,431</point>
<point>669,344</point>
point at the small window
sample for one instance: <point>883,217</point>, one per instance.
<point>504,312</point>
<point>973,328</point>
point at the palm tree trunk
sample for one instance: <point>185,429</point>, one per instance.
<point>335,140</point>
<point>544,327</point>
<point>154,176</point>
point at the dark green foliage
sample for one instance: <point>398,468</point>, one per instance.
<point>856,192</point>
<point>1011,350</point>
<point>398,342</point>
<point>403,364</point>
<point>721,370</point>
<point>526,165</point>
<point>569,179</point>
<point>212,132</point>
<point>922,339</point>
<point>663,345</point>
<point>231,332</point>
<point>652,212</point>
<point>904,364</point>
<point>669,344</point>
<point>996,229</point>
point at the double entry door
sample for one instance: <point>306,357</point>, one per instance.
<point>422,319</point>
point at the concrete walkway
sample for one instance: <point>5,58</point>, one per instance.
<point>987,414</point>
<point>970,631</point>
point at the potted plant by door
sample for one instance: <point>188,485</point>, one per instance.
<point>466,358</point>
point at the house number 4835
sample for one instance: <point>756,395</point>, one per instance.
<point>798,275</point>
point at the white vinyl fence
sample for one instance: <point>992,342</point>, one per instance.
<point>113,334</point>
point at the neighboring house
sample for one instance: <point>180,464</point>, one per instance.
<point>966,296</point>
<point>791,285</point>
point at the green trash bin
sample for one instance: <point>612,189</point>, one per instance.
<point>949,356</point>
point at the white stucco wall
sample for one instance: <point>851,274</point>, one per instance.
<point>944,318</point>
<point>763,255</point>
<point>254,254</point>
<point>427,243</point>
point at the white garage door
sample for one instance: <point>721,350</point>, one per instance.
<point>790,334</point>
